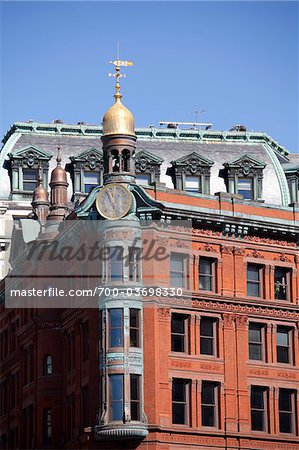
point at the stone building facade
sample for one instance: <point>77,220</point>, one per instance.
<point>214,365</point>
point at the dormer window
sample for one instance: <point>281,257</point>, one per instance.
<point>91,180</point>
<point>147,167</point>
<point>86,170</point>
<point>244,176</point>
<point>24,166</point>
<point>191,173</point>
<point>30,179</point>
<point>245,188</point>
<point>192,183</point>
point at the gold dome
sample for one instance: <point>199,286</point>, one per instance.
<point>118,119</point>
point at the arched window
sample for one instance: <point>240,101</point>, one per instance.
<point>48,365</point>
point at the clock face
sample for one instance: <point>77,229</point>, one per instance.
<point>114,201</point>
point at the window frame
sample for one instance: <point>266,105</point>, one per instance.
<point>215,405</point>
<point>135,328</point>
<point>214,337</point>
<point>261,343</point>
<point>292,393</point>
<point>260,282</point>
<point>264,411</point>
<point>186,402</point>
<point>184,272</point>
<point>288,284</point>
<point>110,328</point>
<point>251,190</point>
<point>290,346</point>
<point>47,366</point>
<point>111,402</point>
<point>212,276</point>
<point>185,336</point>
<point>136,401</point>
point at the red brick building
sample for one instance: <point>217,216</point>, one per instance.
<point>213,366</point>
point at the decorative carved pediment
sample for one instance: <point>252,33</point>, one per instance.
<point>193,163</point>
<point>246,163</point>
<point>30,155</point>
<point>89,159</point>
<point>146,161</point>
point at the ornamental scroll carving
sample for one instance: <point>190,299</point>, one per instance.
<point>199,232</point>
<point>282,257</point>
<point>255,254</point>
<point>241,321</point>
<point>164,313</point>
<point>227,249</point>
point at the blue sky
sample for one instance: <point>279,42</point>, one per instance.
<point>236,60</point>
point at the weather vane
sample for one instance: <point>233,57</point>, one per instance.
<point>118,63</point>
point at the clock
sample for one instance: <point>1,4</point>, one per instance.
<point>114,201</point>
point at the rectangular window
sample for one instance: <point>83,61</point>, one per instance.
<point>259,406</point>
<point>254,280</point>
<point>134,327</point>
<point>116,397</point>
<point>178,270</point>
<point>135,396</point>
<point>47,426</point>
<point>134,264</point>
<point>116,263</point>
<point>116,329</point>
<point>207,272</point>
<point>209,404</point>
<point>143,179</point>
<point>192,183</point>
<point>29,179</point>
<point>245,188</point>
<point>180,401</point>
<point>256,340</point>
<point>286,407</point>
<point>91,180</point>
<point>284,344</point>
<point>282,283</point>
<point>85,343</point>
<point>179,333</point>
<point>208,336</point>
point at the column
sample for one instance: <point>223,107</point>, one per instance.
<point>242,388</point>
<point>227,270</point>
<point>230,423</point>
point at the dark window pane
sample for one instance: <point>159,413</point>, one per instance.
<point>177,270</point>
<point>257,420</point>
<point>257,398</point>
<point>255,352</point>
<point>285,400</point>
<point>116,261</point>
<point>116,397</point>
<point>134,327</point>
<point>285,423</point>
<point>283,355</point>
<point>179,413</point>
<point>135,396</point>
<point>253,280</point>
<point>178,324</point>
<point>116,317</point>
<point>206,346</point>
<point>178,332</point>
<point>179,391</point>
<point>116,327</point>
<point>207,327</point>
<point>208,416</point>
<point>177,343</point>
<point>208,393</point>
<point>255,333</point>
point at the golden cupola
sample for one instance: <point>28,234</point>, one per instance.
<point>118,120</point>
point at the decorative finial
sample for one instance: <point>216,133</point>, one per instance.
<point>117,64</point>
<point>58,157</point>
